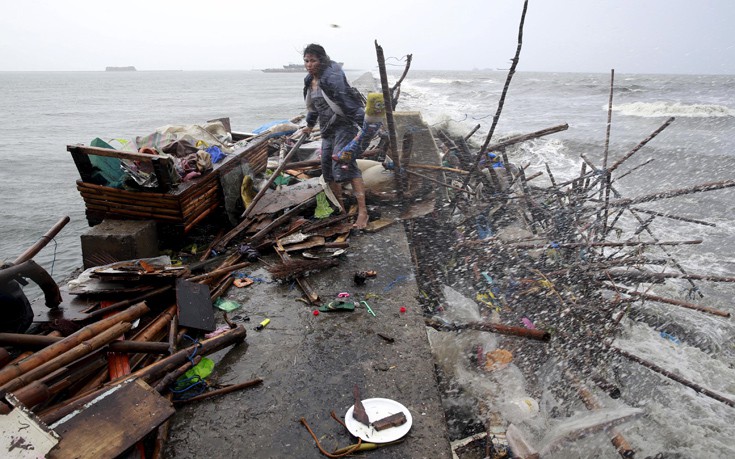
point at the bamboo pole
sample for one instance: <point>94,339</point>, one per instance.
<point>523,245</point>
<point>26,341</point>
<point>672,217</point>
<point>151,372</point>
<point>607,182</point>
<point>125,303</point>
<point>69,356</point>
<point>154,329</point>
<point>90,331</point>
<point>164,382</point>
<point>439,182</point>
<point>42,242</point>
<point>472,132</point>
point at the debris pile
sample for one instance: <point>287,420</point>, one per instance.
<point>561,265</point>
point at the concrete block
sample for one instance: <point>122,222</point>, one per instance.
<point>119,240</point>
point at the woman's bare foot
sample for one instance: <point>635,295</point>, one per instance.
<point>361,222</point>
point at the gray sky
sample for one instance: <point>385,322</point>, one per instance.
<point>630,36</point>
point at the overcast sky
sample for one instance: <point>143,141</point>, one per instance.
<point>630,36</point>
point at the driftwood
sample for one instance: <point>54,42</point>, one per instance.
<point>531,333</point>
<point>674,376</point>
<point>683,304</point>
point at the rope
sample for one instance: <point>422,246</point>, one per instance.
<point>322,450</point>
<point>193,386</point>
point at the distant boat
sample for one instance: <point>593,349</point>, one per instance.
<point>291,68</point>
<point>129,68</point>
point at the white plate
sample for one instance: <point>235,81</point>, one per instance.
<point>378,408</point>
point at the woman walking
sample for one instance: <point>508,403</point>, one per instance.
<point>330,101</point>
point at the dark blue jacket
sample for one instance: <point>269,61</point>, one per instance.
<point>333,83</point>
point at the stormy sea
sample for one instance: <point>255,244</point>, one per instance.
<point>43,112</point>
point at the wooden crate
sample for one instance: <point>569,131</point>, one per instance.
<point>182,206</point>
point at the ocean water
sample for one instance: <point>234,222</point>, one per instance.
<point>41,113</point>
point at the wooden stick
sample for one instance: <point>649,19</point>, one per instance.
<point>641,145</point>
<point>683,304</point>
<point>674,376</point>
<point>222,391</point>
<point>531,333</point>
<point>711,186</point>
<point>472,132</point>
<point>219,271</point>
<point>426,177</point>
<point>390,122</point>
<point>499,109</point>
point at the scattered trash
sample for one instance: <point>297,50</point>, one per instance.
<point>243,282</point>
<point>402,309</point>
<point>497,359</point>
<point>367,306</point>
<point>670,337</point>
<point>263,324</point>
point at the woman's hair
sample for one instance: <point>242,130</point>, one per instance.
<point>318,51</point>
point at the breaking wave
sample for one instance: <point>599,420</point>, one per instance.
<point>656,109</point>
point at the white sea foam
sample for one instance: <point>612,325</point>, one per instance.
<point>657,109</point>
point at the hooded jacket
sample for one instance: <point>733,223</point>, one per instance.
<point>333,83</point>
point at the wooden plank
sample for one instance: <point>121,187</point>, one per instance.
<point>314,241</point>
<point>112,423</point>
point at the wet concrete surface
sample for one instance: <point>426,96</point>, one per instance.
<point>309,364</point>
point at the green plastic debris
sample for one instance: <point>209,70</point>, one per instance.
<point>323,209</point>
<point>226,305</point>
<point>282,180</point>
<point>198,372</point>
<point>338,305</point>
